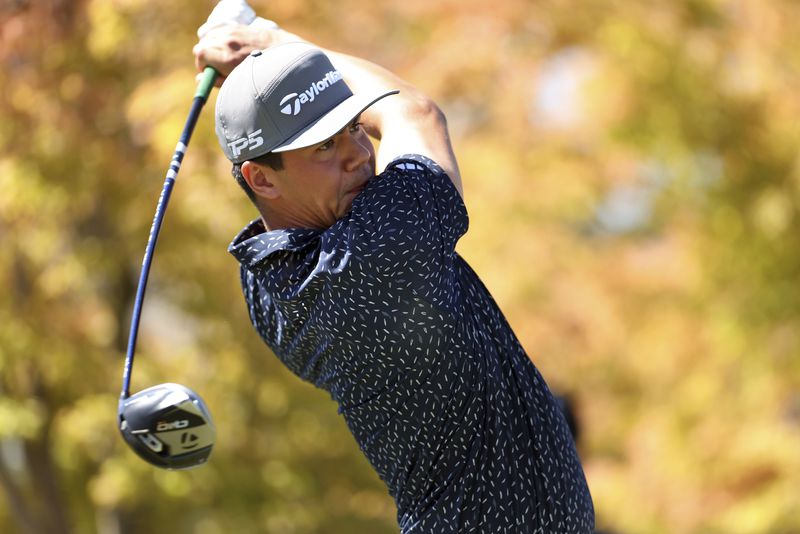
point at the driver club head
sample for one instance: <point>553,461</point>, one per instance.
<point>168,425</point>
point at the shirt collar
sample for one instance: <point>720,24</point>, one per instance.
<point>254,243</point>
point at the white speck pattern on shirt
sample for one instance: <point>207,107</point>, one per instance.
<point>380,311</point>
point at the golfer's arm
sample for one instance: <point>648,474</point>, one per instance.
<point>406,123</point>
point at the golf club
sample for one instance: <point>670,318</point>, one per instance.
<point>167,425</point>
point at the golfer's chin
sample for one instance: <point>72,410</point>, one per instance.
<point>346,203</point>
<point>360,183</point>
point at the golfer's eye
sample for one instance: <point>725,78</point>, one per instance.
<point>325,146</point>
<point>355,127</point>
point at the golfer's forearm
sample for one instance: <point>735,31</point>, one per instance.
<point>408,122</point>
<point>409,104</point>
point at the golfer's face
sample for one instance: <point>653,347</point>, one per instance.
<point>320,182</point>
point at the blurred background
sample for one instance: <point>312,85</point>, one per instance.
<point>632,175</point>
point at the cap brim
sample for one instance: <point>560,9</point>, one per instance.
<point>332,122</point>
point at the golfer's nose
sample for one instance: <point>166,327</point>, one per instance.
<point>357,152</point>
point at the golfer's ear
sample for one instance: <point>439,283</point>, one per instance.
<point>261,180</point>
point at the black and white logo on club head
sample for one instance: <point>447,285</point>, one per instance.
<point>189,440</point>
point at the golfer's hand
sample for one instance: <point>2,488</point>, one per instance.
<point>226,46</point>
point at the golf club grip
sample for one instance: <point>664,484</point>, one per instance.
<point>200,97</point>
<point>206,83</point>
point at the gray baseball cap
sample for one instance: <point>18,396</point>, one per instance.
<point>283,98</point>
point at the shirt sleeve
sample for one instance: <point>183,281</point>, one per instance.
<point>410,217</point>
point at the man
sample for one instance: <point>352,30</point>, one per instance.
<point>351,278</point>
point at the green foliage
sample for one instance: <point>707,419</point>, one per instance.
<point>674,326</point>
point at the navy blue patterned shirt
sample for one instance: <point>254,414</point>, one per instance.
<point>380,311</point>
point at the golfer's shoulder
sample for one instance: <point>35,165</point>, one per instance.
<point>414,164</point>
<point>414,197</point>
<point>416,171</point>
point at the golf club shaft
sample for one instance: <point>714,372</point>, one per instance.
<point>200,97</point>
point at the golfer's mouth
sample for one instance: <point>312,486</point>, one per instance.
<point>358,189</point>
